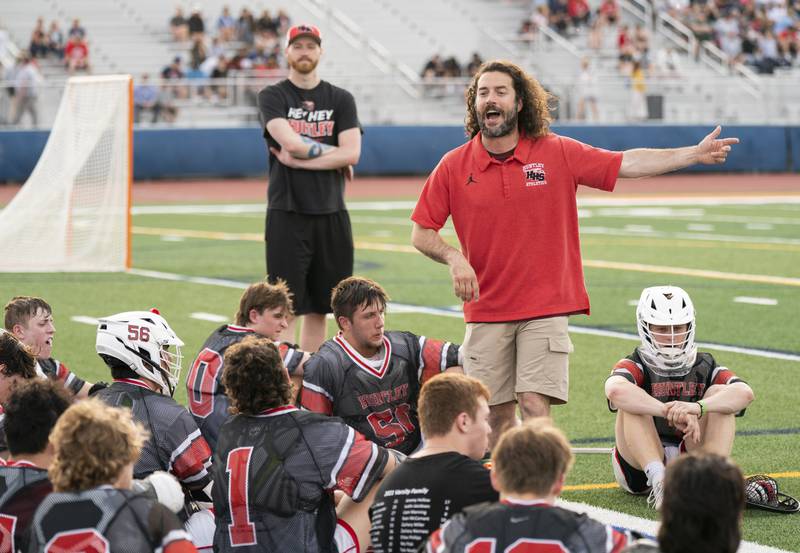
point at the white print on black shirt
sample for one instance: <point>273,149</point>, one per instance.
<point>314,124</point>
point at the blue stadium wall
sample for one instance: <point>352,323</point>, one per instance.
<point>241,152</point>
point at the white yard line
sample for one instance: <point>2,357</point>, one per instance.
<point>616,518</point>
<point>755,301</point>
<point>212,317</point>
<point>403,308</point>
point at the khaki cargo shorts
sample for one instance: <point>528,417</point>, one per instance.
<point>520,356</point>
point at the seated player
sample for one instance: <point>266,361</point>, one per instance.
<point>444,476</point>
<point>17,364</point>
<point>529,465</point>
<point>371,378</point>
<point>667,391</point>
<point>30,414</point>
<point>31,321</point>
<point>144,356</point>
<point>704,500</point>
<point>264,309</point>
<point>93,507</point>
<point>276,467</point>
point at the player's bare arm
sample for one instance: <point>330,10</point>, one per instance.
<point>628,397</point>
<point>726,399</point>
<point>430,243</point>
<point>645,162</point>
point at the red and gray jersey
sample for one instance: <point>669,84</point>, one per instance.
<point>23,486</point>
<point>377,397</point>
<point>511,526</point>
<point>106,519</point>
<point>207,400</point>
<point>175,443</point>
<point>691,387</point>
<point>274,475</point>
<point>56,370</point>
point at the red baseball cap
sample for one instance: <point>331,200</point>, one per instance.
<point>303,30</point>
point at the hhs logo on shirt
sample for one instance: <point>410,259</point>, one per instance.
<point>534,174</point>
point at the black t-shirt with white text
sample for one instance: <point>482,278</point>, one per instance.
<point>320,113</point>
<point>421,494</point>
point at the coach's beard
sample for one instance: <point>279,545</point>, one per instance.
<point>506,127</point>
<point>303,66</point>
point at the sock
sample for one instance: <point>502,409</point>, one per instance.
<point>654,471</point>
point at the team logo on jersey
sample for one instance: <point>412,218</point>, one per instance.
<point>471,180</point>
<point>534,174</point>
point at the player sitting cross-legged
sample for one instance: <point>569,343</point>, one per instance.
<point>276,467</point>
<point>371,378</point>
<point>264,310</point>
<point>668,396</point>
<point>93,508</point>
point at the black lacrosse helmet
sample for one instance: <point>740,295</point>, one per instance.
<point>761,492</point>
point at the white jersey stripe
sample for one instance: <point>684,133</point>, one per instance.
<point>318,389</point>
<point>443,363</point>
<point>421,362</point>
<point>351,438</point>
<point>365,475</point>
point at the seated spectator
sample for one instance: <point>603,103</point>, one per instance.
<point>559,16</point>
<point>95,447</point>
<point>433,68</point>
<point>38,44</point>
<point>728,34</point>
<point>703,505</point>
<point>246,26</point>
<point>169,111</point>
<point>226,26</point>
<point>179,26</point>
<point>265,22</point>
<point>76,54</point>
<point>197,54</point>
<point>529,466</point>
<point>623,37</point>
<point>197,26</point>
<point>443,477</point>
<point>55,40</point>
<point>641,43</point>
<point>474,64</point>
<point>608,11</point>
<point>217,48</point>
<point>76,30</point>
<point>145,98</point>
<point>527,32</point>
<point>174,72</point>
<point>282,21</point>
<point>579,12</point>
<point>30,414</point>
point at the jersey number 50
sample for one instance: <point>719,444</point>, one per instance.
<point>384,425</point>
<point>522,545</point>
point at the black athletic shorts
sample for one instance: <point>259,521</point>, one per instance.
<point>312,253</point>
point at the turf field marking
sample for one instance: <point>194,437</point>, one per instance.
<point>699,227</point>
<point>760,226</point>
<point>650,527</point>
<point>641,229</point>
<point>755,301</point>
<point>177,209</point>
<point>614,485</point>
<point>402,308</point>
<point>84,320</point>
<point>212,317</point>
<point>594,263</point>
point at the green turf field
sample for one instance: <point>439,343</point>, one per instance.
<point>740,264</point>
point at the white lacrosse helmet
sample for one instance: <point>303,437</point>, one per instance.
<point>666,352</point>
<point>141,340</point>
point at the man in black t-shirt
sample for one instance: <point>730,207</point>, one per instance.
<point>314,138</point>
<point>445,476</point>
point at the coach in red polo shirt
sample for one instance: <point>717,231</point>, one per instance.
<point>511,193</point>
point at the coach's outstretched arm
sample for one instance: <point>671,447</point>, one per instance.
<point>429,242</point>
<point>645,162</point>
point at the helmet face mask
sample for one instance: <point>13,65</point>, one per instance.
<point>665,320</point>
<point>144,342</point>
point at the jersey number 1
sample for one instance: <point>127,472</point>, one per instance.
<point>241,531</point>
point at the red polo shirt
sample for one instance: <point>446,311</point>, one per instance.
<point>517,222</point>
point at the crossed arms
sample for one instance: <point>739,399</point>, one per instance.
<point>300,152</point>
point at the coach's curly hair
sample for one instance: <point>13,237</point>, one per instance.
<point>254,377</point>
<point>93,442</point>
<point>534,117</point>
